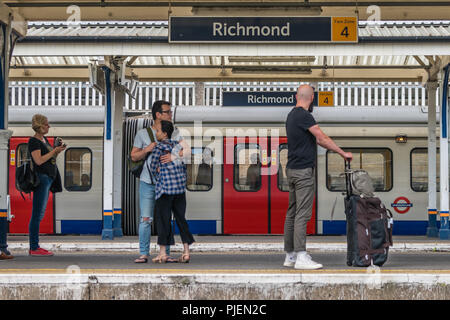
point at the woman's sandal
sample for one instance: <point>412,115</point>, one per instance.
<point>184,258</point>
<point>141,260</point>
<point>160,259</point>
<point>171,260</point>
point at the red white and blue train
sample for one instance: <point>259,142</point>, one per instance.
<point>236,179</point>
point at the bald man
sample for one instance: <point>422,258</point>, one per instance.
<point>303,134</point>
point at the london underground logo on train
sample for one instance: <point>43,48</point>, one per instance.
<point>401,205</point>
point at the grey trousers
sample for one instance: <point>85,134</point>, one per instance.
<point>302,184</point>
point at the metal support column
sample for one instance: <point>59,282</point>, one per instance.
<point>108,157</point>
<point>199,93</point>
<point>432,230</point>
<point>112,151</point>
<point>5,51</point>
<point>444,212</point>
<point>119,102</point>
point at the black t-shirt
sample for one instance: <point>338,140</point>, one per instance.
<point>302,148</point>
<point>48,167</point>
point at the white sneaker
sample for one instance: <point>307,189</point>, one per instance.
<point>291,257</point>
<point>304,261</point>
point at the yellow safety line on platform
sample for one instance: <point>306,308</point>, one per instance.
<point>202,271</point>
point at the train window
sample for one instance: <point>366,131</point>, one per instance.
<point>419,170</point>
<point>283,184</point>
<point>78,169</point>
<point>376,161</point>
<point>247,167</point>
<point>200,170</point>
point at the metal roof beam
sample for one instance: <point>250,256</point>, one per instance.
<point>18,23</point>
<point>417,58</point>
<point>159,10</point>
<point>225,74</point>
<point>166,49</point>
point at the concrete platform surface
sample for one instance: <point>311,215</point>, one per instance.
<point>221,268</point>
<point>220,243</point>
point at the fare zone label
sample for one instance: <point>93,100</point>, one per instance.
<point>326,99</point>
<point>345,29</point>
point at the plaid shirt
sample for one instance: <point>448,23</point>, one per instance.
<point>171,178</point>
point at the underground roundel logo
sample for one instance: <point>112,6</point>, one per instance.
<point>401,205</point>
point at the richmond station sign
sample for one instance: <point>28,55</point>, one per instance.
<point>263,29</point>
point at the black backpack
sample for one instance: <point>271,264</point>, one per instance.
<point>136,167</point>
<point>27,179</point>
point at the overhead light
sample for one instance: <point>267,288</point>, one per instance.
<point>272,59</point>
<point>401,138</point>
<point>271,69</point>
<point>96,77</point>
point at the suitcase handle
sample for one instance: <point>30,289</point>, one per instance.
<point>348,186</point>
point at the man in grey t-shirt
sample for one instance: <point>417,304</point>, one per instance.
<point>142,147</point>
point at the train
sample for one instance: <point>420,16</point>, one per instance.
<point>236,173</point>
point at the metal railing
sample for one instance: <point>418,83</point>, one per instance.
<point>345,94</point>
<point>73,94</point>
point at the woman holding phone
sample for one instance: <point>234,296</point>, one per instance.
<point>43,157</point>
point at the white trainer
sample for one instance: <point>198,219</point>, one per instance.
<point>291,257</point>
<point>305,262</point>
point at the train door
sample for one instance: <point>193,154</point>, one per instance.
<point>79,206</point>
<point>20,207</point>
<point>245,203</point>
<point>279,189</point>
<point>256,194</point>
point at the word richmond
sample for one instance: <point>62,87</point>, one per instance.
<point>222,29</point>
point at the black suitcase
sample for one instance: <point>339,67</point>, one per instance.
<point>369,227</point>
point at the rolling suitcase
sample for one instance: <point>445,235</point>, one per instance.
<point>369,222</point>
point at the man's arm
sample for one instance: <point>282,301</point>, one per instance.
<point>139,154</point>
<point>184,153</point>
<point>325,141</point>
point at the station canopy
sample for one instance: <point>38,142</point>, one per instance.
<point>403,46</point>
<point>135,10</point>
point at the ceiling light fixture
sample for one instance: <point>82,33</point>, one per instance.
<point>309,59</point>
<point>271,69</point>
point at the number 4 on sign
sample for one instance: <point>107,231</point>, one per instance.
<point>344,29</point>
<point>326,99</point>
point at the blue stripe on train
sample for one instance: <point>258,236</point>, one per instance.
<point>401,228</point>
<point>95,227</point>
<point>200,227</point>
<point>81,226</point>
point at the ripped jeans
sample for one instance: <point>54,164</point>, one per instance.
<point>147,208</point>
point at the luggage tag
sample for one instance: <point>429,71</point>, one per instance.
<point>390,223</point>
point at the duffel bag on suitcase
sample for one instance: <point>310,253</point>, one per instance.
<point>369,222</point>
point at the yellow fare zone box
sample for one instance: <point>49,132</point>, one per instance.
<point>13,158</point>
<point>344,29</point>
<point>326,99</point>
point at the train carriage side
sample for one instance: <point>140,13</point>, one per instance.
<point>236,179</point>
<point>77,209</point>
<point>398,169</point>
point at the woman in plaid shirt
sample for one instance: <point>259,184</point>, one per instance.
<point>170,194</point>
